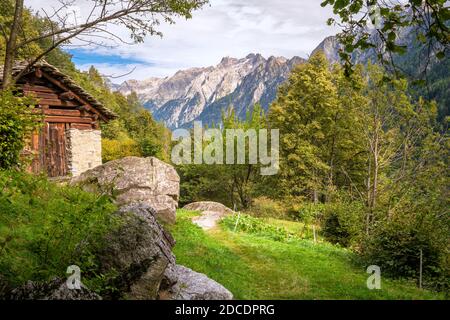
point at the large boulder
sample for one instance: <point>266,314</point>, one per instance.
<point>181,283</point>
<point>209,206</point>
<point>139,253</point>
<point>55,289</point>
<point>134,179</point>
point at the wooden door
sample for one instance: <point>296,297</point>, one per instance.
<point>55,150</point>
<point>50,145</point>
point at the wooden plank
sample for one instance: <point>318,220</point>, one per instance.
<point>61,152</point>
<point>69,95</point>
<point>35,163</point>
<point>65,119</point>
<point>62,112</point>
<point>81,126</point>
<point>59,103</point>
<point>31,79</point>
<point>41,95</point>
<point>43,147</point>
<point>64,87</point>
<point>37,88</point>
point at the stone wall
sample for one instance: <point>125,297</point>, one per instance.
<point>84,150</point>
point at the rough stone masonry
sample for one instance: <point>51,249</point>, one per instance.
<point>84,149</point>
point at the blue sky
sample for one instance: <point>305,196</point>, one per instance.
<point>224,28</point>
<point>83,56</point>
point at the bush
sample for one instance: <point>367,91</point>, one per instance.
<point>251,225</point>
<point>308,212</point>
<point>44,228</point>
<point>288,208</point>
<point>120,148</point>
<point>17,122</point>
<point>149,148</point>
<point>265,207</point>
<point>343,223</point>
<point>395,246</point>
<point>334,232</point>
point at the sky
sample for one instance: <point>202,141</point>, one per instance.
<point>223,28</point>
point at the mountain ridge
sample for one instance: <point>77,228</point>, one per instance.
<point>202,93</point>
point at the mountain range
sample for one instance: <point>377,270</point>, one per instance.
<point>201,94</point>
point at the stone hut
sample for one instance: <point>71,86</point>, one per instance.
<point>69,142</point>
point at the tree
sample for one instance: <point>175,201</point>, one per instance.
<point>238,183</point>
<point>243,178</point>
<point>386,110</point>
<point>140,17</point>
<point>410,217</point>
<point>315,112</point>
<point>378,24</point>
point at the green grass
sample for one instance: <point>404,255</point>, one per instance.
<point>297,228</point>
<point>255,267</point>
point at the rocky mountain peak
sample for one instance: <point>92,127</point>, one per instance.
<point>228,61</point>
<point>202,93</point>
<point>330,47</point>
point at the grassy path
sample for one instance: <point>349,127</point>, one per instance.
<point>253,267</point>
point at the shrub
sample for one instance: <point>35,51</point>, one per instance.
<point>309,212</point>
<point>252,225</point>
<point>288,208</point>
<point>44,228</point>
<point>266,207</point>
<point>149,148</point>
<point>343,223</point>
<point>120,148</point>
<point>17,122</point>
<point>395,246</point>
<point>333,231</point>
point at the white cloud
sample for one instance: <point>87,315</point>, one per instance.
<point>223,28</point>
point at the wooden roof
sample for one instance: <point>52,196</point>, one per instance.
<point>51,72</point>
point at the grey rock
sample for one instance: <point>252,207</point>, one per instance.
<point>181,283</point>
<point>55,289</point>
<point>139,252</point>
<point>211,213</point>
<point>132,179</point>
<point>208,206</point>
<point>330,47</point>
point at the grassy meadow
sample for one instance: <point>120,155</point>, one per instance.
<point>255,266</point>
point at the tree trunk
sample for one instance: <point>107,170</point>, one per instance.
<point>315,196</point>
<point>10,53</point>
<point>376,168</point>
<point>373,188</point>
